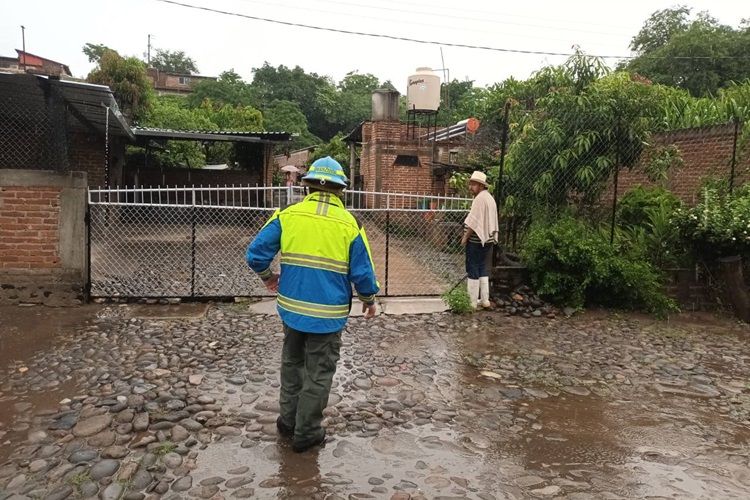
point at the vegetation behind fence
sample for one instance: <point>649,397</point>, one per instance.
<point>624,157</point>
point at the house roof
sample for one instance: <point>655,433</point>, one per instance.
<point>87,104</point>
<point>355,135</point>
<point>28,60</point>
<point>212,135</point>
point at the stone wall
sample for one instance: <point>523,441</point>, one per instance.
<point>42,237</point>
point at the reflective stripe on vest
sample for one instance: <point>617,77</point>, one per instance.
<point>312,309</point>
<point>315,262</point>
<point>323,203</point>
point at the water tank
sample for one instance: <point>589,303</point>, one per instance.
<point>385,105</point>
<point>423,90</point>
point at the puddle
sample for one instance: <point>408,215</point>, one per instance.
<point>25,331</point>
<point>193,310</point>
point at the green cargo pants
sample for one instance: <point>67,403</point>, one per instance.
<point>308,363</point>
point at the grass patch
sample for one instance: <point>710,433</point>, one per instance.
<point>79,479</point>
<point>164,448</point>
<point>458,300</point>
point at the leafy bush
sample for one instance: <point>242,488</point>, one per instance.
<point>458,300</point>
<point>644,216</point>
<point>633,207</point>
<point>573,264</point>
<point>719,226</point>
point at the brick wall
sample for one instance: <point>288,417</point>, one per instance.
<point>706,151</point>
<point>296,158</point>
<point>383,142</point>
<point>86,153</point>
<point>42,237</point>
<point>29,224</point>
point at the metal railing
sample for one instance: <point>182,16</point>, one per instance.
<point>191,241</point>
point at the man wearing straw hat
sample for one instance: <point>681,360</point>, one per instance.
<point>324,250</point>
<point>480,233</point>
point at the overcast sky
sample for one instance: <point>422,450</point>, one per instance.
<point>57,30</point>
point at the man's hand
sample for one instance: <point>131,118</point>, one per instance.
<point>465,240</point>
<point>369,310</point>
<point>272,283</point>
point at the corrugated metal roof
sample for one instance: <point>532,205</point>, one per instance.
<point>213,135</point>
<point>87,104</point>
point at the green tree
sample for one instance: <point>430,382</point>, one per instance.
<point>128,80</point>
<point>659,29</point>
<point>94,51</point>
<point>296,85</point>
<point>286,116</point>
<point>699,55</point>
<point>229,88</point>
<point>336,148</point>
<point>173,112</point>
<point>456,100</point>
<point>174,60</point>
<point>350,102</point>
<point>176,112</point>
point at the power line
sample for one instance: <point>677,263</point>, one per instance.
<point>376,35</point>
<point>433,5</point>
<point>430,14</point>
<point>407,22</point>
<point>428,42</point>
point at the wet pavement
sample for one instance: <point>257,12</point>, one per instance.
<point>133,402</point>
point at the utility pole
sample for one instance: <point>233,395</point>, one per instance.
<point>23,41</point>
<point>149,52</point>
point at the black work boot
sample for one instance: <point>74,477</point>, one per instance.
<point>284,429</point>
<point>300,445</point>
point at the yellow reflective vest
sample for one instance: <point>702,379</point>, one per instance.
<point>324,250</point>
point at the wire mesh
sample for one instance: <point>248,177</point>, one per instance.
<point>33,128</point>
<point>191,242</point>
<point>558,161</point>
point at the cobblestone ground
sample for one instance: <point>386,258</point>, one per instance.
<point>121,406</point>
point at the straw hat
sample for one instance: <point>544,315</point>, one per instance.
<point>479,177</point>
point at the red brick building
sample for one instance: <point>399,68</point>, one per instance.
<point>170,82</point>
<point>397,157</point>
<point>26,62</point>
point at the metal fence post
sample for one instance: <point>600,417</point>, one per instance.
<point>734,154</point>
<point>87,220</point>
<point>499,181</point>
<point>618,138</point>
<point>387,238</point>
<point>192,239</point>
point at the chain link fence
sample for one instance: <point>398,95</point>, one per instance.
<point>191,242</point>
<point>33,125</point>
<point>587,162</point>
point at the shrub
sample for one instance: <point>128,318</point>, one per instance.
<point>458,300</point>
<point>644,216</point>
<point>573,264</point>
<point>719,226</point>
<point>634,206</point>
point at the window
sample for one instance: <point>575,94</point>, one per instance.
<point>184,80</point>
<point>453,156</point>
<point>407,161</point>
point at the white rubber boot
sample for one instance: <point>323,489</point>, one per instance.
<point>472,286</point>
<point>484,291</point>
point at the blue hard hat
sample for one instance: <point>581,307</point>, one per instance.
<point>324,170</point>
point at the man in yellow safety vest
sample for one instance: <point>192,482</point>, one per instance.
<point>324,250</point>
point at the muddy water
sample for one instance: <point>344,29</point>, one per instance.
<point>24,332</point>
<point>487,439</point>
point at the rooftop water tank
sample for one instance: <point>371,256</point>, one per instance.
<point>423,90</point>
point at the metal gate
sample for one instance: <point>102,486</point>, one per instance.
<point>188,242</point>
